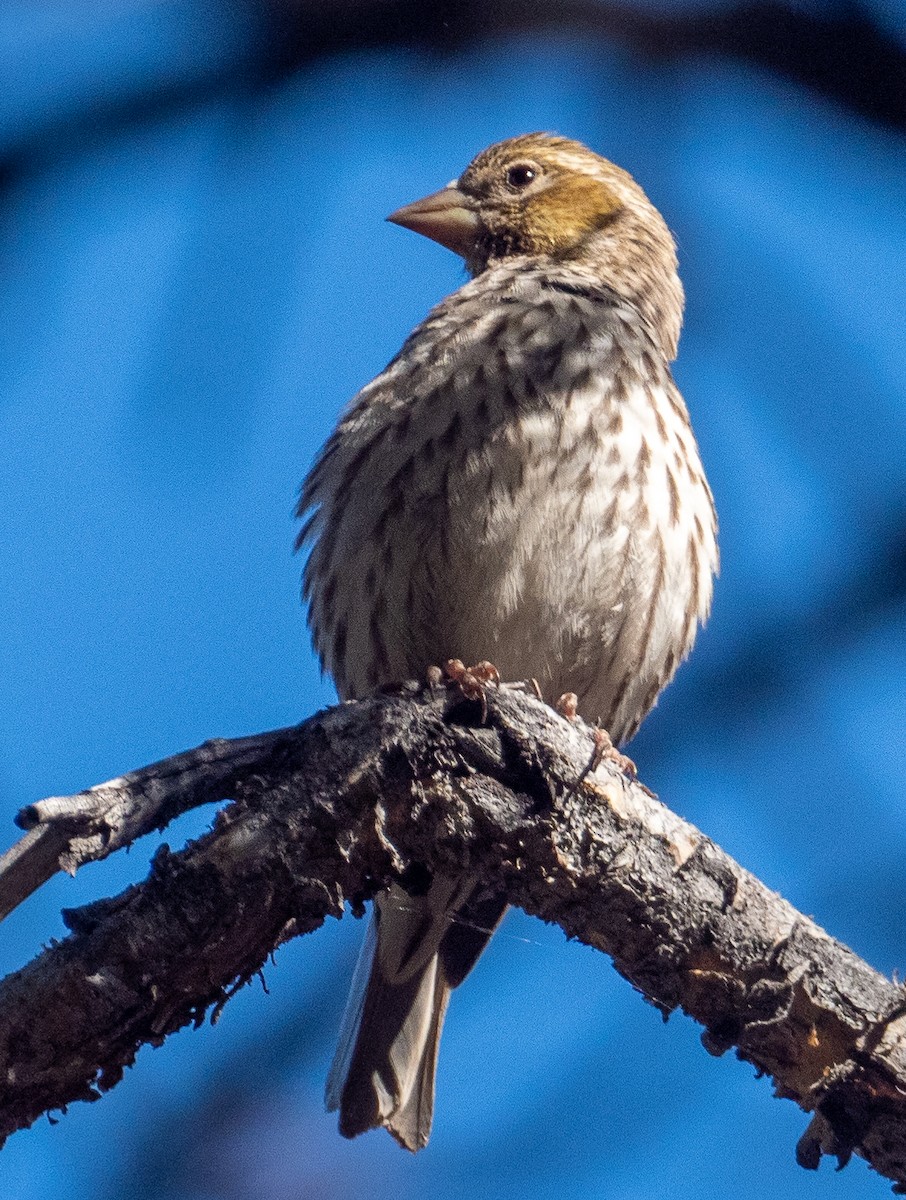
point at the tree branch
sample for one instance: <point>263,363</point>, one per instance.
<point>330,810</point>
<point>838,50</point>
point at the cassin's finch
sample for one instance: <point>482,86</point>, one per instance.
<point>520,485</point>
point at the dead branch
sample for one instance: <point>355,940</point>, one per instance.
<point>837,51</point>
<point>328,811</point>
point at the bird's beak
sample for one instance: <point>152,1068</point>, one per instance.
<point>447,217</point>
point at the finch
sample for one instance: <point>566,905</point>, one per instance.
<point>522,485</point>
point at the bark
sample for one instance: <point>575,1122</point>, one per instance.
<point>328,811</point>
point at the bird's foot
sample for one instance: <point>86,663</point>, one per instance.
<point>472,682</point>
<point>602,746</point>
<point>605,749</point>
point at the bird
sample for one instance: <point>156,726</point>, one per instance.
<point>521,485</point>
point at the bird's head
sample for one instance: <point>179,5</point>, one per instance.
<point>547,198</point>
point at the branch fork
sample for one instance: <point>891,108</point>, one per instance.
<point>327,812</point>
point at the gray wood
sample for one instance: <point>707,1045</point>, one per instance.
<point>331,810</point>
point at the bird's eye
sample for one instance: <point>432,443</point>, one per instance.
<point>520,175</point>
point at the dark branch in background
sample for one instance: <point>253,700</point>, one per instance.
<point>329,810</point>
<point>837,51</point>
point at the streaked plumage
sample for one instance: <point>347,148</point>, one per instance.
<point>521,484</point>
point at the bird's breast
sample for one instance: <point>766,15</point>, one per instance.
<point>537,500</point>
<point>587,531</point>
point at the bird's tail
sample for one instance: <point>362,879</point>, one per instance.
<point>416,950</point>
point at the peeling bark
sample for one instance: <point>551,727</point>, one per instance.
<point>330,810</point>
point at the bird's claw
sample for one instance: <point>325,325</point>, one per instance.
<point>471,681</point>
<point>602,747</point>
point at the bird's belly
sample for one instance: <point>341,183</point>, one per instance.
<point>548,595</point>
<point>567,560</point>
<point>571,544</point>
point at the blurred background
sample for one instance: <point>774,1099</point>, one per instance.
<point>195,275</point>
